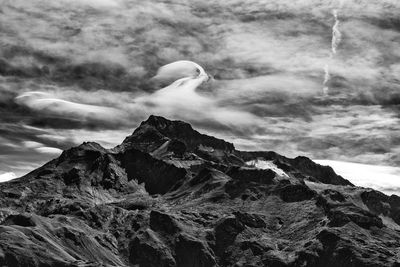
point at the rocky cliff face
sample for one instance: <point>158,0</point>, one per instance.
<point>171,196</point>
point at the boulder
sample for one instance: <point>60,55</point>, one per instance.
<point>250,219</point>
<point>193,252</point>
<point>148,250</point>
<point>226,231</point>
<point>164,222</point>
<point>295,192</point>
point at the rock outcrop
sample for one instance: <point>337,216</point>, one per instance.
<point>171,196</point>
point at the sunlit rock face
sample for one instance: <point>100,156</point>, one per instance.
<point>172,196</point>
<point>97,62</point>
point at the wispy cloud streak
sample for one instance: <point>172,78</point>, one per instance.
<point>336,39</point>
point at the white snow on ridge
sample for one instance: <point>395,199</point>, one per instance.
<point>265,165</point>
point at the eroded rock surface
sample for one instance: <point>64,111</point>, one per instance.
<point>171,196</point>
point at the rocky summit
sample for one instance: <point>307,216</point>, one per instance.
<point>171,196</point>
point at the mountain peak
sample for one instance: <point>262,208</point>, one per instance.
<point>150,197</point>
<point>160,122</point>
<point>159,129</point>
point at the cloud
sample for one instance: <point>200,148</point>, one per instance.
<point>40,148</point>
<point>49,150</point>
<point>177,70</point>
<point>382,178</point>
<point>49,105</point>
<point>182,100</point>
<point>7,176</point>
<point>90,78</point>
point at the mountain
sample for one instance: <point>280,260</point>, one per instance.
<point>171,196</point>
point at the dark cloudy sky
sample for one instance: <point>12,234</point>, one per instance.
<point>71,71</point>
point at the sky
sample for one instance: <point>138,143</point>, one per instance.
<point>299,77</point>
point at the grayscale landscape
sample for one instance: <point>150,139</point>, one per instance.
<point>199,133</point>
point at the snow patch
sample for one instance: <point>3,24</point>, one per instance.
<point>265,165</point>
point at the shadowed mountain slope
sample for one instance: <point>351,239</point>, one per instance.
<point>171,196</point>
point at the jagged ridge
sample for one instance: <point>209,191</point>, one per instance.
<point>171,196</point>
